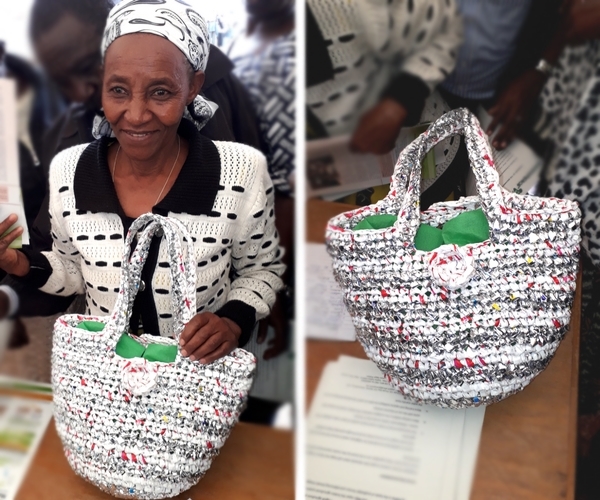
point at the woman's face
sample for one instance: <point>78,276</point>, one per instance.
<point>147,84</point>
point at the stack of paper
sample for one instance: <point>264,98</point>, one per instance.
<point>274,377</point>
<point>23,422</point>
<point>11,201</point>
<point>518,166</point>
<point>366,442</point>
<point>326,315</point>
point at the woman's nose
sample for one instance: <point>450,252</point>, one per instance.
<point>137,111</point>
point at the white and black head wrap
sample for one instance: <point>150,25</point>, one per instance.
<point>174,20</point>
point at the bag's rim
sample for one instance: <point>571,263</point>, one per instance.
<point>563,206</point>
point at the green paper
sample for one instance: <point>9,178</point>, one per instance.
<point>91,326</point>
<point>159,352</point>
<point>428,238</point>
<point>468,227</point>
<point>129,348</point>
<point>380,221</point>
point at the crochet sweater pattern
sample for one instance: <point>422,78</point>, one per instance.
<point>401,48</point>
<point>223,195</point>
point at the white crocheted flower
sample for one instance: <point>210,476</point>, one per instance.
<point>450,266</point>
<point>138,375</point>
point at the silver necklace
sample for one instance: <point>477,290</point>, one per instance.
<point>172,168</point>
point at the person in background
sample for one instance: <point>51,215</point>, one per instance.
<point>374,68</point>
<point>503,62</point>
<point>373,63</point>
<point>38,104</point>
<point>264,58</point>
<point>66,35</point>
<point>571,100</point>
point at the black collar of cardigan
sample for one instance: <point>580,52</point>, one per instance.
<point>193,192</point>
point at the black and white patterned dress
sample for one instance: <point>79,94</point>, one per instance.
<point>270,80</point>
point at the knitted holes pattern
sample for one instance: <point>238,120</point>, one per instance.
<point>228,242</point>
<point>488,337</point>
<point>135,428</point>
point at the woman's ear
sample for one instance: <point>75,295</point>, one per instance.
<point>195,86</point>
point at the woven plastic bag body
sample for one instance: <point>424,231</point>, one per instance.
<point>137,428</point>
<point>459,326</point>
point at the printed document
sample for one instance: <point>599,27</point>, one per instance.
<point>326,314</point>
<point>365,441</point>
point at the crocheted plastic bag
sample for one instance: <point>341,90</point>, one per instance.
<point>459,326</point>
<point>139,428</point>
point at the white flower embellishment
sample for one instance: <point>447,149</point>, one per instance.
<point>138,375</point>
<point>450,266</point>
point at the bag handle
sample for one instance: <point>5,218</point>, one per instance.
<point>183,271</point>
<point>406,182</point>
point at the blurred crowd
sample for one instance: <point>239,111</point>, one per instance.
<point>59,97</point>
<point>374,65</point>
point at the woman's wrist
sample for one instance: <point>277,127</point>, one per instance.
<point>234,327</point>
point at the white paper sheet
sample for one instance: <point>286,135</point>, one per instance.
<point>366,442</point>
<point>23,423</point>
<point>274,377</point>
<point>518,166</point>
<point>11,200</point>
<point>326,314</point>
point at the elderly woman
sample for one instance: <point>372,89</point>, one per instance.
<point>150,158</point>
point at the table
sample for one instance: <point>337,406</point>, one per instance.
<point>256,463</point>
<point>528,442</point>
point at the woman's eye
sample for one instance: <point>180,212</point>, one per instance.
<point>161,92</point>
<point>118,90</point>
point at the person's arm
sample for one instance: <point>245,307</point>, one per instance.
<point>257,269</point>
<point>256,258</point>
<point>541,39</point>
<point>403,99</point>
<point>58,271</point>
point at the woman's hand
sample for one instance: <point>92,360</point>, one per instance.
<point>12,261</point>
<point>379,128</point>
<point>513,106</point>
<point>582,22</point>
<point>208,337</point>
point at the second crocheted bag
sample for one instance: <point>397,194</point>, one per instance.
<point>459,326</point>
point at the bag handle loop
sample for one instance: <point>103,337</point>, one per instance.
<point>183,271</point>
<point>406,180</point>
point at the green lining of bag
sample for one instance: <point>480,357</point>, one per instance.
<point>380,221</point>
<point>466,228</point>
<point>91,326</point>
<point>128,347</point>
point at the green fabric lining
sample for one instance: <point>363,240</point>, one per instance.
<point>128,347</point>
<point>466,228</point>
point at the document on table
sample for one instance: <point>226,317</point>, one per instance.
<point>11,200</point>
<point>23,422</point>
<point>274,377</point>
<point>326,314</point>
<point>518,166</point>
<point>366,442</point>
<point>332,169</point>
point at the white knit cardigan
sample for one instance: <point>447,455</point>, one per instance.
<point>236,245</point>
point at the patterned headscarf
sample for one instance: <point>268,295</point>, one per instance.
<point>174,20</point>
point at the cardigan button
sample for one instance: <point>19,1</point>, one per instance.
<point>160,233</point>
<point>142,285</point>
